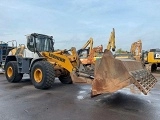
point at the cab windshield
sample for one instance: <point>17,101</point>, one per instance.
<point>43,43</point>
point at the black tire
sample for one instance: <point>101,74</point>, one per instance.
<point>11,72</point>
<point>153,67</point>
<point>65,79</point>
<point>47,72</point>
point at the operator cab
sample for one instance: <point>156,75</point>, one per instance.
<point>40,43</point>
<point>155,50</point>
<point>83,53</point>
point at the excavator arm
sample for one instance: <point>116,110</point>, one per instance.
<point>88,43</point>
<point>136,49</point>
<point>111,42</point>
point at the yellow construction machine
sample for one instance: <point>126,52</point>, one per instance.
<point>89,55</point>
<point>135,52</point>
<point>111,42</point>
<point>136,49</point>
<point>151,59</point>
<point>43,64</point>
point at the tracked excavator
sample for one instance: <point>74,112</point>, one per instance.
<point>151,59</point>
<point>89,55</point>
<point>43,64</point>
<point>136,50</point>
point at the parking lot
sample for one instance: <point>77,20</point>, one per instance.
<point>21,101</point>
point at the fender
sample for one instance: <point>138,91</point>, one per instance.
<point>10,58</point>
<point>35,60</point>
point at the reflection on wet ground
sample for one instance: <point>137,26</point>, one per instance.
<point>73,102</point>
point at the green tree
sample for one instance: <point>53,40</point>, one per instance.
<point>120,51</point>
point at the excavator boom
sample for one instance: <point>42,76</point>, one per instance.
<point>136,49</point>
<point>111,42</point>
<point>88,43</point>
<point>88,55</point>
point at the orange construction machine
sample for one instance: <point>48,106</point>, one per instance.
<point>89,55</point>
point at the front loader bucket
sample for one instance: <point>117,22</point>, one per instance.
<point>113,74</point>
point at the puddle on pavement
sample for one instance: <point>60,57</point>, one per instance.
<point>80,97</point>
<point>83,94</point>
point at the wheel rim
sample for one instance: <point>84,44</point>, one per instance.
<point>38,75</point>
<point>9,71</point>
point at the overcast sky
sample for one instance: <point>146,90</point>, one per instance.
<point>73,22</point>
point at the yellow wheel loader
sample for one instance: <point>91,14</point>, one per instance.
<point>43,64</point>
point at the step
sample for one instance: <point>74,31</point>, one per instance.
<point>1,71</point>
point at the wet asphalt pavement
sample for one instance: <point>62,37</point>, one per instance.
<point>21,101</point>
